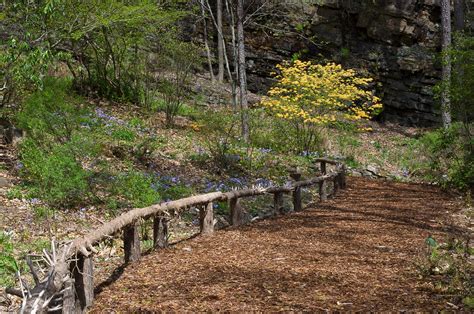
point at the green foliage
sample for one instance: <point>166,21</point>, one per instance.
<point>123,134</point>
<point>135,189</point>
<point>110,40</point>
<point>450,157</point>
<point>349,144</point>
<point>22,69</point>
<point>345,53</point>
<point>62,154</point>
<point>175,192</point>
<point>448,266</point>
<point>56,145</point>
<point>457,143</point>
<point>43,212</point>
<point>53,114</point>
<point>55,174</point>
<point>176,65</point>
<point>462,98</point>
<point>8,264</point>
<point>15,193</point>
<point>469,302</point>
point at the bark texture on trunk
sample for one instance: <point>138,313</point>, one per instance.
<point>242,70</point>
<point>206,43</point>
<point>220,42</point>
<point>446,68</point>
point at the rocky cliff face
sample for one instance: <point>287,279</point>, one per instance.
<point>395,40</point>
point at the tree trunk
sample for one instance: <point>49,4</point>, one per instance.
<point>231,15</point>
<point>446,68</point>
<point>459,22</point>
<point>242,71</point>
<point>206,44</point>
<point>220,42</point>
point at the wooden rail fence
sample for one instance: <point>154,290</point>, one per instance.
<point>72,276</point>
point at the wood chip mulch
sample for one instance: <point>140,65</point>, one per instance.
<point>355,252</point>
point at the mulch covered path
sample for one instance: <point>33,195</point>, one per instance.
<point>354,252</point>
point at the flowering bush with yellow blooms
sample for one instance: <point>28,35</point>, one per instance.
<point>312,95</point>
<point>321,94</point>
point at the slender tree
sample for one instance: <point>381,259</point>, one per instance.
<point>231,15</point>
<point>206,44</point>
<point>220,42</point>
<point>446,67</point>
<point>242,70</point>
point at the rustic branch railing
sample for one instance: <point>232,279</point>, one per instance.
<point>74,270</point>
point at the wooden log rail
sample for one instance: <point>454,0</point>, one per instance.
<point>78,276</point>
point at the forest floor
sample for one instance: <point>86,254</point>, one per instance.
<point>358,251</point>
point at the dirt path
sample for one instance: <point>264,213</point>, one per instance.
<point>355,252</point>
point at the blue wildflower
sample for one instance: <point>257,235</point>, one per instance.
<point>265,150</point>
<point>34,201</point>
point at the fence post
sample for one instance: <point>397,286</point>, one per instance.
<point>343,176</point>
<point>297,204</point>
<point>322,191</point>
<point>206,215</point>
<point>323,167</point>
<point>160,232</point>
<point>278,202</point>
<point>236,213</point>
<point>336,182</point>
<point>131,243</point>
<point>83,272</point>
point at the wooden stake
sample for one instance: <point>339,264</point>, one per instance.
<point>83,272</point>
<point>322,191</point>
<point>236,212</point>
<point>278,202</point>
<point>297,203</point>
<point>206,214</point>
<point>131,243</point>
<point>160,232</point>
<point>323,167</point>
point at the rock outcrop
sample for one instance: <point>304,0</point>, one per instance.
<point>395,40</point>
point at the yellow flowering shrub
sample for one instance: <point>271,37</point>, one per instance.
<point>320,94</point>
<point>310,96</point>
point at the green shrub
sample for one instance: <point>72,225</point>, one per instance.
<point>43,212</point>
<point>55,175</point>
<point>176,192</point>
<point>59,139</point>
<point>123,134</point>
<point>280,135</point>
<point>8,264</point>
<point>450,156</point>
<point>15,193</point>
<point>448,266</point>
<point>135,189</point>
<point>53,114</point>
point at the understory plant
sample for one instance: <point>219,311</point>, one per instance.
<point>311,96</point>
<point>63,156</point>
<point>448,267</point>
<point>55,146</point>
